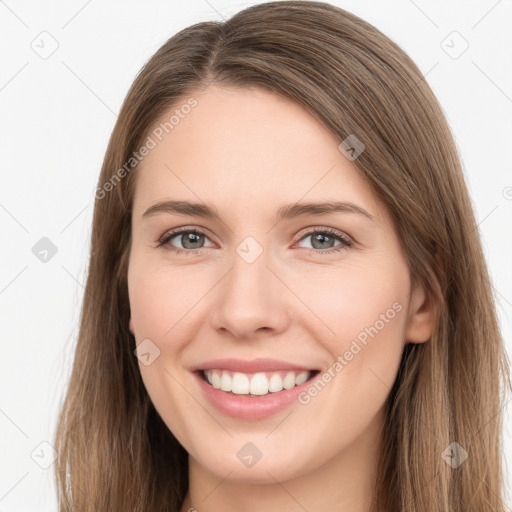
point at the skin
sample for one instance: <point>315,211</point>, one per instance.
<point>248,152</point>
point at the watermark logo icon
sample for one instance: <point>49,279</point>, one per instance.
<point>454,455</point>
<point>146,352</point>
<point>44,250</point>
<point>454,45</point>
<point>351,147</point>
<point>44,454</point>
<point>249,249</point>
<point>249,455</point>
<point>45,45</point>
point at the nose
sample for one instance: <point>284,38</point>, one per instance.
<point>251,301</point>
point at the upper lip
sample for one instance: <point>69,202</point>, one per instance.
<point>250,366</point>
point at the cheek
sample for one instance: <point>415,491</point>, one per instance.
<point>355,303</point>
<point>161,302</point>
<point>159,305</point>
<point>367,313</point>
<point>364,316</point>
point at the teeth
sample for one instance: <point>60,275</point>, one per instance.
<point>257,383</point>
<point>215,381</point>
<point>289,381</point>
<point>275,383</point>
<point>225,382</point>
<point>301,378</point>
<point>240,384</point>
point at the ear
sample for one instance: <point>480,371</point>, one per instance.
<point>130,325</point>
<point>421,316</point>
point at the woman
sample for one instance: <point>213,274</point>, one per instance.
<point>222,363</point>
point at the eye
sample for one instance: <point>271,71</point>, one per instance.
<point>191,240</point>
<point>322,240</point>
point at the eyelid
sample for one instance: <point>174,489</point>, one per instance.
<point>180,230</point>
<point>324,229</point>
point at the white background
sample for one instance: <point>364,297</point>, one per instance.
<point>57,116</point>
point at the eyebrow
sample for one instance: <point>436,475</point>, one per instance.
<point>289,211</point>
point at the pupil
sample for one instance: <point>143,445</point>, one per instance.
<point>319,237</point>
<point>191,238</point>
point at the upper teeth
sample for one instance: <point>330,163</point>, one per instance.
<point>255,384</point>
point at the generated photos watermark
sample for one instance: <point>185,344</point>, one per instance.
<point>360,341</point>
<point>151,143</point>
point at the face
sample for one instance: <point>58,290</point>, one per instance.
<point>244,294</point>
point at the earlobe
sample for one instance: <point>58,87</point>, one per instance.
<point>421,316</point>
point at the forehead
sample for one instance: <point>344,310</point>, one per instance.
<point>239,146</point>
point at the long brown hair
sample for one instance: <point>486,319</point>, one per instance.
<point>115,452</point>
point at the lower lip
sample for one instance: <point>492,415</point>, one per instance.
<point>247,407</point>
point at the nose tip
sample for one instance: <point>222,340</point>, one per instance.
<point>250,300</point>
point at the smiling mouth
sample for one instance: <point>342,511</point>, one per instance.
<point>255,384</point>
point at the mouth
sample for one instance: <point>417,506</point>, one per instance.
<point>258,384</point>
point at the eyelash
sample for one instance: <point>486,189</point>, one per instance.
<point>345,241</point>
